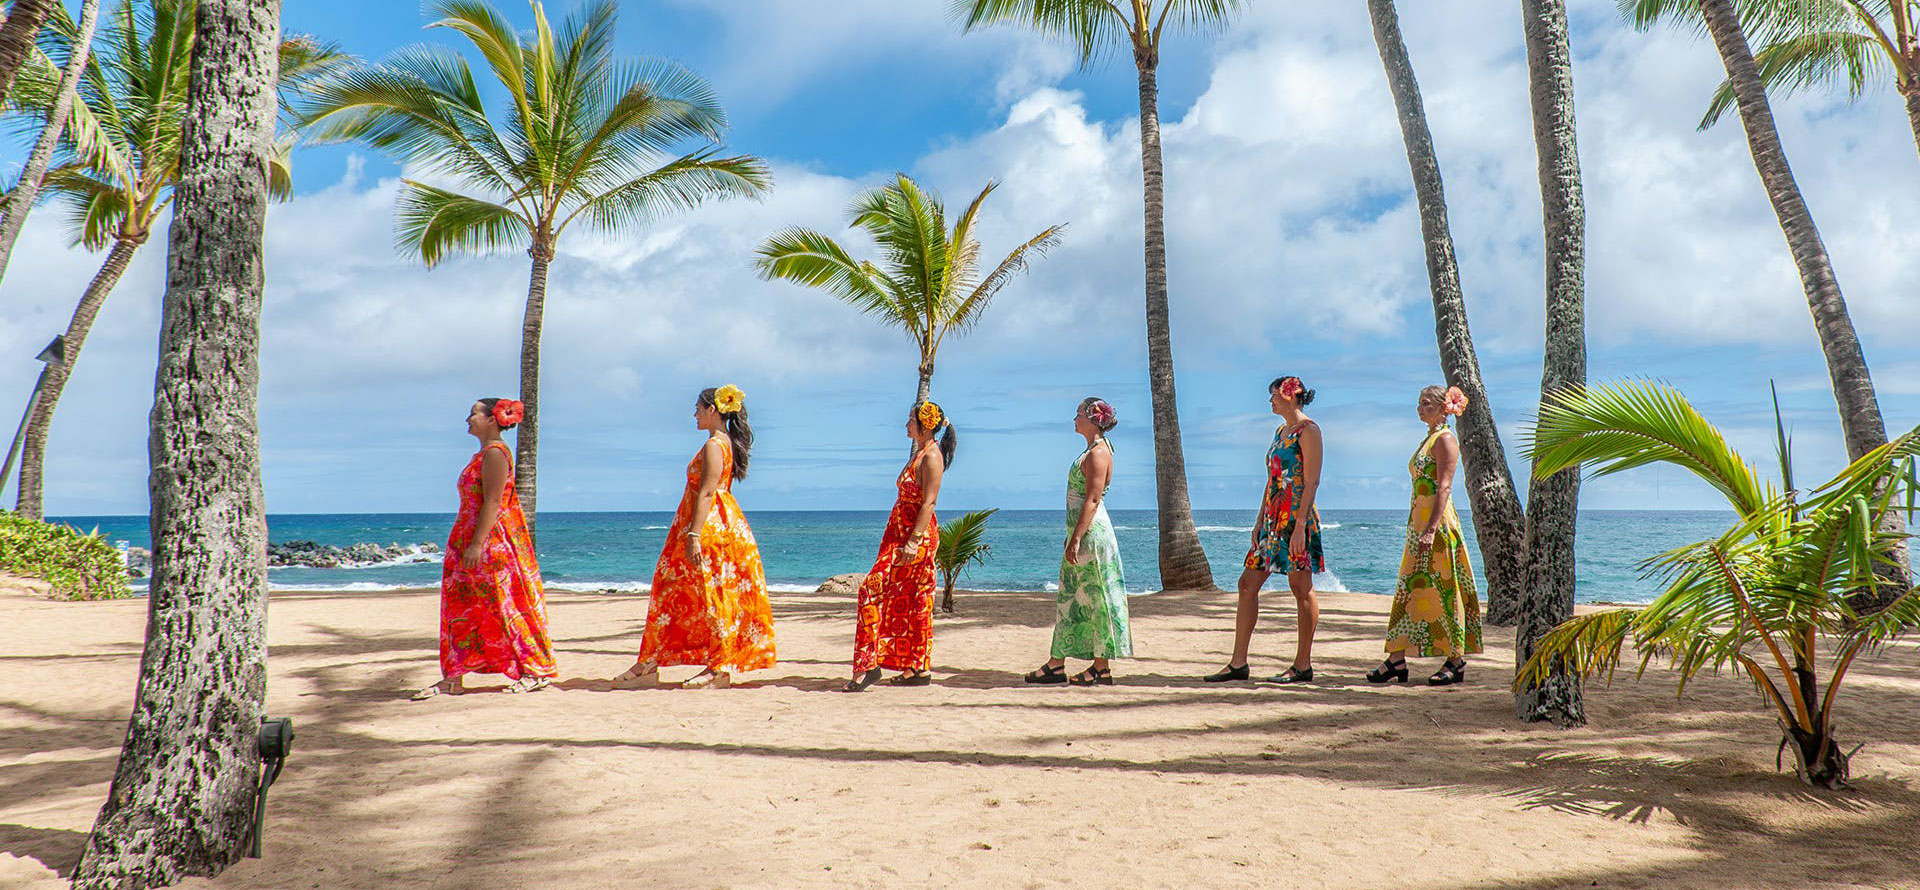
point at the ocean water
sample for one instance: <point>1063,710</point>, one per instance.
<point>595,551</point>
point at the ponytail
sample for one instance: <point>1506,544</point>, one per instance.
<point>947,440</point>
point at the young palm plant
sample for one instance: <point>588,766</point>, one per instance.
<point>1776,597</point>
<point>930,284</point>
<point>963,542</point>
<point>119,171</point>
<point>584,137</point>
<point>1095,28</point>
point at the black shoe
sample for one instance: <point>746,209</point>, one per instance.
<point>1092,677</point>
<point>1048,675</point>
<point>1390,671</point>
<point>861,682</point>
<point>1292,675</point>
<point>1454,671</point>
<point>1229,673</point>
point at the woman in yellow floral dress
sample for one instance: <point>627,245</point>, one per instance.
<point>708,604</point>
<point>1436,610</point>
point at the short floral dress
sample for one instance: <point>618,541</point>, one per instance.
<point>1273,531</point>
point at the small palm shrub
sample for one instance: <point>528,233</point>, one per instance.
<point>963,542</point>
<point>80,566</point>
<point>1788,595</point>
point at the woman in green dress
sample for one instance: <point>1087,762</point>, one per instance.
<point>1092,620</point>
<point>1436,610</point>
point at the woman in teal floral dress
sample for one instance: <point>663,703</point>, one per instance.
<point>1286,536</point>
<point>1092,619</point>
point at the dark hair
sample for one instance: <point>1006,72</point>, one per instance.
<point>1103,428</point>
<point>738,432</point>
<point>1305,397</point>
<point>487,404</point>
<point>948,439</point>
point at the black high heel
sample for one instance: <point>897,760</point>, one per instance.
<point>1389,671</point>
<point>1229,673</point>
<point>1453,671</point>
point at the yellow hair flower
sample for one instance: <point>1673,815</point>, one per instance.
<point>930,416</point>
<point>729,399</point>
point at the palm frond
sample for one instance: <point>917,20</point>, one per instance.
<point>682,184</point>
<point>1808,61</point>
<point>435,221</point>
<point>1094,28</point>
<point>1621,426</point>
<point>1588,644</point>
<point>813,259</point>
<point>970,308</point>
<point>963,541</point>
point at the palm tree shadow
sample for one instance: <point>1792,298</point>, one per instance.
<point>58,849</point>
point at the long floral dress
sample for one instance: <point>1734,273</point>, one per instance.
<point>493,617</point>
<point>1092,620</point>
<point>895,625</point>
<point>1436,610</point>
<point>1273,531</point>
<point>717,617</point>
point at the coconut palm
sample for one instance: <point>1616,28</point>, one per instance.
<point>928,281</point>
<point>584,137</point>
<point>17,29</point>
<point>1807,44</point>
<point>1498,519</point>
<point>118,177</point>
<point>1096,28</point>
<point>1861,423</point>
<point>1553,498</point>
<point>183,794</point>
<point>963,542</point>
<point>54,92</point>
<point>1769,597</point>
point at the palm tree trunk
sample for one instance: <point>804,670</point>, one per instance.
<point>1499,521</point>
<point>1911,91</point>
<point>1183,564</point>
<point>19,202</point>
<point>926,382</point>
<point>1852,387</point>
<point>1860,421</point>
<point>16,38</point>
<point>182,798</point>
<point>1552,501</point>
<point>33,458</point>
<point>527,441</point>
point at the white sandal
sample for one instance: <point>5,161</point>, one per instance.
<point>449,686</point>
<point>637,677</point>
<point>529,684</point>
<point>709,679</point>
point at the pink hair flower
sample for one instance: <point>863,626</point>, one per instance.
<point>1456,401</point>
<point>1292,387</point>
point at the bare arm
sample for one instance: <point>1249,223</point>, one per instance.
<point>1097,466</point>
<point>928,472</point>
<point>711,464</point>
<point>495,469</point>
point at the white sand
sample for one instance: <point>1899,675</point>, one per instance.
<point>978,781</point>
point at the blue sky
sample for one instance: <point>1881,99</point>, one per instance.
<point>1294,248</point>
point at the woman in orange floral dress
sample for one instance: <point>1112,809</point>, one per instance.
<point>708,605</point>
<point>895,628</point>
<point>493,611</point>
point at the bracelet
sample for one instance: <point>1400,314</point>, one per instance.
<point>693,534</point>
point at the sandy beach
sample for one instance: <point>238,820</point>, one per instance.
<point>978,781</point>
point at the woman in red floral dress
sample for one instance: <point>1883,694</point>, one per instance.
<point>493,611</point>
<point>895,628</point>
<point>708,603</point>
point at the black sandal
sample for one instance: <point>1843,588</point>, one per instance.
<point>917,678</point>
<point>861,682</point>
<point>1092,677</point>
<point>1045,674</point>
<point>1392,670</point>
<point>1452,672</point>
<point>1228,673</point>
<point>1292,675</point>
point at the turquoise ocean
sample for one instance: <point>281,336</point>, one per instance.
<point>598,551</point>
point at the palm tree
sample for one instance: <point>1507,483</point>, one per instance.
<point>56,90</point>
<point>183,793</point>
<point>1767,596</point>
<point>1498,519</point>
<point>1820,43</point>
<point>1095,28</point>
<point>1553,498</point>
<point>585,137</point>
<point>17,30</point>
<point>930,285</point>
<point>119,178</point>
<point>1860,421</point>
<point>963,542</point>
